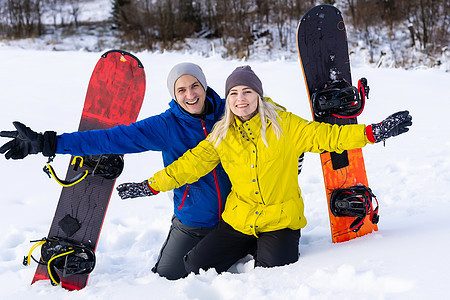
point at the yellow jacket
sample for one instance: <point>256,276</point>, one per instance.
<point>265,195</point>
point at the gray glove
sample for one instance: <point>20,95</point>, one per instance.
<point>134,190</point>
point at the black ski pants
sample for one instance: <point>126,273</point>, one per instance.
<point>180,240</point>
<point>224,246</point>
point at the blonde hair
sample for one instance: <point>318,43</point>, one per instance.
<point>267,112</point>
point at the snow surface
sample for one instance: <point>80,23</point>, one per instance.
<point>406,259</point>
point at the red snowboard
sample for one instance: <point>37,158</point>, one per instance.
<point>114,97</point>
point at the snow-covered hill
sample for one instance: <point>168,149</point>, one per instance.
<point>406,259</point>
<point>379,46</point>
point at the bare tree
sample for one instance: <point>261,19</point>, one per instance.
<point>75,11</point>
<point>423,15</point>
<point>21,18</point>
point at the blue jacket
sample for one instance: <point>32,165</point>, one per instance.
<point>173,133</point>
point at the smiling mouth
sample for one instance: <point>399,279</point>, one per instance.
<point>241,105</point>
<point>192,102</point>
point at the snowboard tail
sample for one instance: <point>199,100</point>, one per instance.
<point>323,51</point>
<point>114,97</point>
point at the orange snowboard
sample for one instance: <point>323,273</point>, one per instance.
<point>353,174</point>
<point>323,51</point>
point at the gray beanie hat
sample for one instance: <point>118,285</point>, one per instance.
<point>184,69</point>
<point>244,76</point>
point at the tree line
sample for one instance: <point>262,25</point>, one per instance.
<point>237,23</point>
<point>427,21</point>
<point>240,23</point>
<point>24,18</point>
<point>162,24</point>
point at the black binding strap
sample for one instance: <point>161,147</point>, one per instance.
<point>354,202</point>
<point>63,257</point>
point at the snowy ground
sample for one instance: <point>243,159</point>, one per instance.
<point>406,259</point>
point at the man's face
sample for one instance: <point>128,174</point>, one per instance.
<point>190,95</point>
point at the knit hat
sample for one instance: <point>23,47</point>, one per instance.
<point>184,69</point>
<point>244,76</point>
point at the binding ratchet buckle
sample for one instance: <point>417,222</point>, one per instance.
<point>340,99</point>
<point>108,166</point>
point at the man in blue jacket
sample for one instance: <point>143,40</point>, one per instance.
<point>193,111</point>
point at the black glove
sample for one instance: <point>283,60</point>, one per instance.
<point>26,141</point>
<point>134,190</point>
<point>393,125</point>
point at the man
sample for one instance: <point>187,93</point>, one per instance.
<point>193,111</point>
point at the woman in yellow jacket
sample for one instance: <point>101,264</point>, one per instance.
<point>258,144</point>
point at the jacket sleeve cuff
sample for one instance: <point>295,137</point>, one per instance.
<point>151,189</point>
<point>369,134</point>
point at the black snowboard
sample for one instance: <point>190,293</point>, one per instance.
<point>323,50</point>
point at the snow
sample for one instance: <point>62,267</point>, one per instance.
<point>406,259</point>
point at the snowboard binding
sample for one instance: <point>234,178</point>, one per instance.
<point>355,202</point>
<point>108,166</point>
<point>62,257</point>
<point>340,99</point>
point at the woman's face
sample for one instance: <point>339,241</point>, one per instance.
<point>243,101</point>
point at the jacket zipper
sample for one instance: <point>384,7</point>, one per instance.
<point>184,197</point>
<point>216,181</point>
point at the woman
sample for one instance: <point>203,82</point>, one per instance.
<point>258,145</point>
